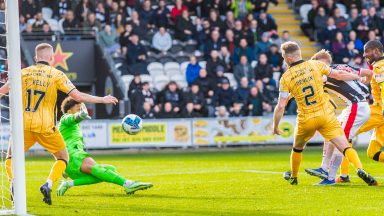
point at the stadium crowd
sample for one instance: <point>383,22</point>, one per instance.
<point>236,37</point>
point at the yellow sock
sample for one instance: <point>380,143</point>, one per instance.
<point>57,170</point>
<point>353,158</point>
<point>296,157</point>
<point>8,168</point>
<point>344,167</point>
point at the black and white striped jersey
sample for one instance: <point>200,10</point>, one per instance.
<point>349,91</point>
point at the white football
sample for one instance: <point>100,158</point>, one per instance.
<point>132,124</point>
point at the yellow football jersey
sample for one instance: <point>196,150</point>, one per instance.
<point>40,84</point>
<point>378,77</point>
<point>304,80</point>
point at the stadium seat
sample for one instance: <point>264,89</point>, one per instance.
<point>176,48</point>
<point>160,82</point>
<point>183,67</point>
<point>61,29</point>
<point>166,59</point>
<point>155,66</point>
<point>127,79</point>
<point>171,66</point>
<point>172,72</point>
<point>156,72</point>
<point>304,10</point>
<point>177,77</point>
<point>231,79</point>
<point>53,24</point>
<point>31,21</point>
<point>276,77</point>
<point>203,64</point>
<point>47,13</point>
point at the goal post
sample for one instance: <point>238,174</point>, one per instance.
<point>15,99</point>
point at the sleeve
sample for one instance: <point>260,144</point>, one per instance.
<point>68,119</point>
<point>64,84</point>
<point>323,68</point>
<point>283,87</point>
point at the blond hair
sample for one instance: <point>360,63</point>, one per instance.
<point>322,54</point>
<point>40,49</point>
<point>289,48</point>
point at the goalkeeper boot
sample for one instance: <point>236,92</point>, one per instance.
<point>343,179</point>
<point>325,182</point>
<point>64,186</point>
<point>46,191</point>
<point>135,186</point>
<point>319,172</point>
<point>367,178</point>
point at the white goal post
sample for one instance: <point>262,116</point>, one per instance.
<point>16,112</point>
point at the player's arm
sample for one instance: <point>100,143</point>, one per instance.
<point>366,74</point>
<point>279,111</point>
<point>343,75</point>
<point>86,98</point>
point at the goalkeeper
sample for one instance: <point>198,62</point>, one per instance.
<point>82,169</point>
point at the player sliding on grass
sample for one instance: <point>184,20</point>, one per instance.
<point>352,118</point>
<point>303,80</point>
<point>82,169</point>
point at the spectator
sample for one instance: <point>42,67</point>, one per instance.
<point>224,95</point>
<point>284,38</point>
<point>139,26</point>
<point>330,7</point>
<point>46,32</point>
<point>185,30</point>
<point>30,8</point>
<point>173,95</point>
<point>161,15</point>
<point>146,13</point>
<point>221,112</point>
<point>162,40</point>
<point>214,43</point>
<point>70,23</point>
<point>213,62</point>
<point>219,76</point>
<point>255,102</point>
<point>28,31</point>
<point>134,86</point>
<point>189,112</point>
<point>141,96</point>
<point>22,23</point>
<point>309,28</point>
<point>82,9</point>
<point>358,44</point>
<point>363,23</point>
<point>274,58</point>
<point>266,24</point>
<point>215,21</point>
<point>263,45</point>
<point>358,62</point>
<point>241,33</point>
<point>196,97</point>
<point>255,32</point>
<point>101,13</point>
<point>237,110</point>
<point>204,31</point>
<point>264,73</point>
<point>39,22</point>
<point>109,40</point>
<point>352,4</point>
<point>248,20</point>
<point>375,20</point>
<point>241,8</point>
<point>262,5</point>
<point>118,24</point>
<point>229,41</point>
<point>321,20</point>
<point>124,39</point>
<point>113,10</point>
<point>329,33</point>
<point>61,8</point>
<point>340,21</point>
<point>353,18</point>
<point>178,10</point>
<point>167,112</point>
<point>92,23</point>
<point>218,5</point>
<point>225,56</point>
<point>348,54</point>
<point>136,52</point>
<point>124,9</point>
<point>243,69</point>
<point>242,91</point>
<point>147,111</point>
<point>192,71</point>
<point>229,20</point>
<point>243,49</point>
<point>372,35</point>
<point>338,44</point>
<point>205,83</point>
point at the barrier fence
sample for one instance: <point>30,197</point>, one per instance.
<point>106,134</point>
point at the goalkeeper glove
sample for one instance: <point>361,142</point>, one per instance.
<point>82,114</point>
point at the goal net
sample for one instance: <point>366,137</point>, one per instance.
<point>11,122</point>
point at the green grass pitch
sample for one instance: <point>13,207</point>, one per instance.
<point>230,182</point>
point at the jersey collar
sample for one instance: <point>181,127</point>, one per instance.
<point>297,63</point>
<point>377,60</point>
<point>42,62</point>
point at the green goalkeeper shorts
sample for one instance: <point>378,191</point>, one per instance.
<point>75,161</point>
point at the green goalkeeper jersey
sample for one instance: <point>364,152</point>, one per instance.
<point>70,130</point>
